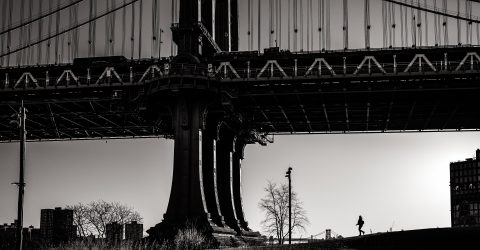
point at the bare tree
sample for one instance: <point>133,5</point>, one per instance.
<point>92,218</point>
<point>275,206</point>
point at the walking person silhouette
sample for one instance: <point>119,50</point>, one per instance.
<point>360,225</point>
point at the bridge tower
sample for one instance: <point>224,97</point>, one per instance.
<point>209,135</point>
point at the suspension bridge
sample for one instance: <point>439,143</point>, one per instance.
<point>216,76</point>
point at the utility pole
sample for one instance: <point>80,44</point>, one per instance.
<point>289,176</point>
<point>21,182</point>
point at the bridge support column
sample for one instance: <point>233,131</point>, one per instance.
<point>225,175</point>
<point>189,202</point>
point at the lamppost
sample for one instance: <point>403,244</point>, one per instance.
<point>289,176</point>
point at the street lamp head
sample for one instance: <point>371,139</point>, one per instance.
<point>289,172</point>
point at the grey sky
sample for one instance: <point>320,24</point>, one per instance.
<point>401,178</point>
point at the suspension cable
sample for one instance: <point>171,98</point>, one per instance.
<point>429,9</point>
<point>68,29</point>
<point>23,22</point>
<point>4,21</point>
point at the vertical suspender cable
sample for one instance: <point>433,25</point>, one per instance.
<point>57,28</point>
<point>426,23</point>
<point>413,27</point>
<point>90,27</point>
<point>478,32</point>
<point>107,29</point>
<point>367,24</point>
<point>435,23</point>
<point>445,23</point>
<point>124,28</point>
<point>140,16</point>
<point>2,38</point>
<point>112,28</point>
<point>311,24</point>
<point>289,26</point>
<point>402,40</point>
<point>389,23</point>
<point>327,25</point>
<point>419,24</point>
<point>173,21</point>
<point>49,42</point>
<point>459,25</point>
<point>279,28</point>
<point>301,16</point>
<point>29,34</point>
<point>154,47</point>
<point>384,23</point>
<point>132,30</point>
<point>394,25</point>
<point>249,31</point>
<point>160,31</point>
<point>345,24</point>
<point>69,34</point>
<point>9,34</point>
<point>405,19</point>
<point>39,35</point>
<point>259,21</point>
<point>468,10</point>
<point>21,34</point>
<point>321,17</point>
<point>270,23</point>
<point>295,27</point>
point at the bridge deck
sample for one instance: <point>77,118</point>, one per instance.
<point>396,90</point>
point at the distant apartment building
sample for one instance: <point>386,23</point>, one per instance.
<point>465,192</point>
<point>114,232</point>
<point>8,235</point>
<point>133,231</point>
<point>56,225</point>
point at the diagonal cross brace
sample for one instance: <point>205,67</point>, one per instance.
<point>369,59</point>
<point>419,57</point>
<point>319,61</point>
<point>472,56</point>
<point>225,66</point>
<point>272,64</point>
